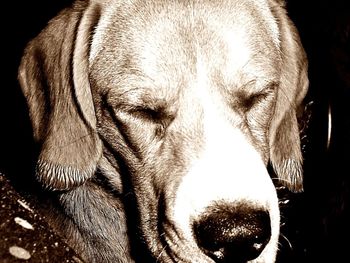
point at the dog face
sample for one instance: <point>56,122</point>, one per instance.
<point>191,101</point>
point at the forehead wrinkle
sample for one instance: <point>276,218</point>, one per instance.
<point>136,89</point>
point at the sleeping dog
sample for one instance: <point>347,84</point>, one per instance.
<point>156,122</point>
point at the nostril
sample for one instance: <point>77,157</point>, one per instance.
<point>232,233</point>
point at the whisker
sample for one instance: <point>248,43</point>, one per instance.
<point>160,254</point>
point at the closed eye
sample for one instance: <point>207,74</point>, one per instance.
<point>247,101</point>
<point>148,114</point>
<point>155,119</point>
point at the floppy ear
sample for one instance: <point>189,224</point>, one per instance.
<point>285,151</point>
<point>54,79</point>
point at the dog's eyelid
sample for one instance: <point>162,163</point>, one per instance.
<point>148,112</point>
<point>271,86</point>
<point>153,113</point>
<point>267,87</point>
<point>267,90</point>
<point>248,100</point>
<point>132,104</point>
<point>255,88</point>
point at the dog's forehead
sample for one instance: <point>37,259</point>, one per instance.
<point>169,42</point>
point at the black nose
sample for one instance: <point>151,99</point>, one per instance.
<point>235,234</point>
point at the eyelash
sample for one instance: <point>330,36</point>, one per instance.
<point>147,114</point>
<point>156,117</point>
<point>249,102</point>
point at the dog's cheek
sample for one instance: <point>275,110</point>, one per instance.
<point>258,121</point>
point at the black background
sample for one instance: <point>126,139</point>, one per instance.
<point>315,222</point>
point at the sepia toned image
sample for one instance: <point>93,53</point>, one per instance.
<point>189,131</point>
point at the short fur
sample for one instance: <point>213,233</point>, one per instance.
<point>131,92</point>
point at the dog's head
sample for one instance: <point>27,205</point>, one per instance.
<point>191,100</point>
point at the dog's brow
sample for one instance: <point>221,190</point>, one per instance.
<point>137,98</point>
<point>251,85</point>
<point>141,90</point>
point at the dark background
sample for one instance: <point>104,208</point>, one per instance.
<point>316,222</point>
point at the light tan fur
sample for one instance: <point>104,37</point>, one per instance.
<point>160,99</point>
